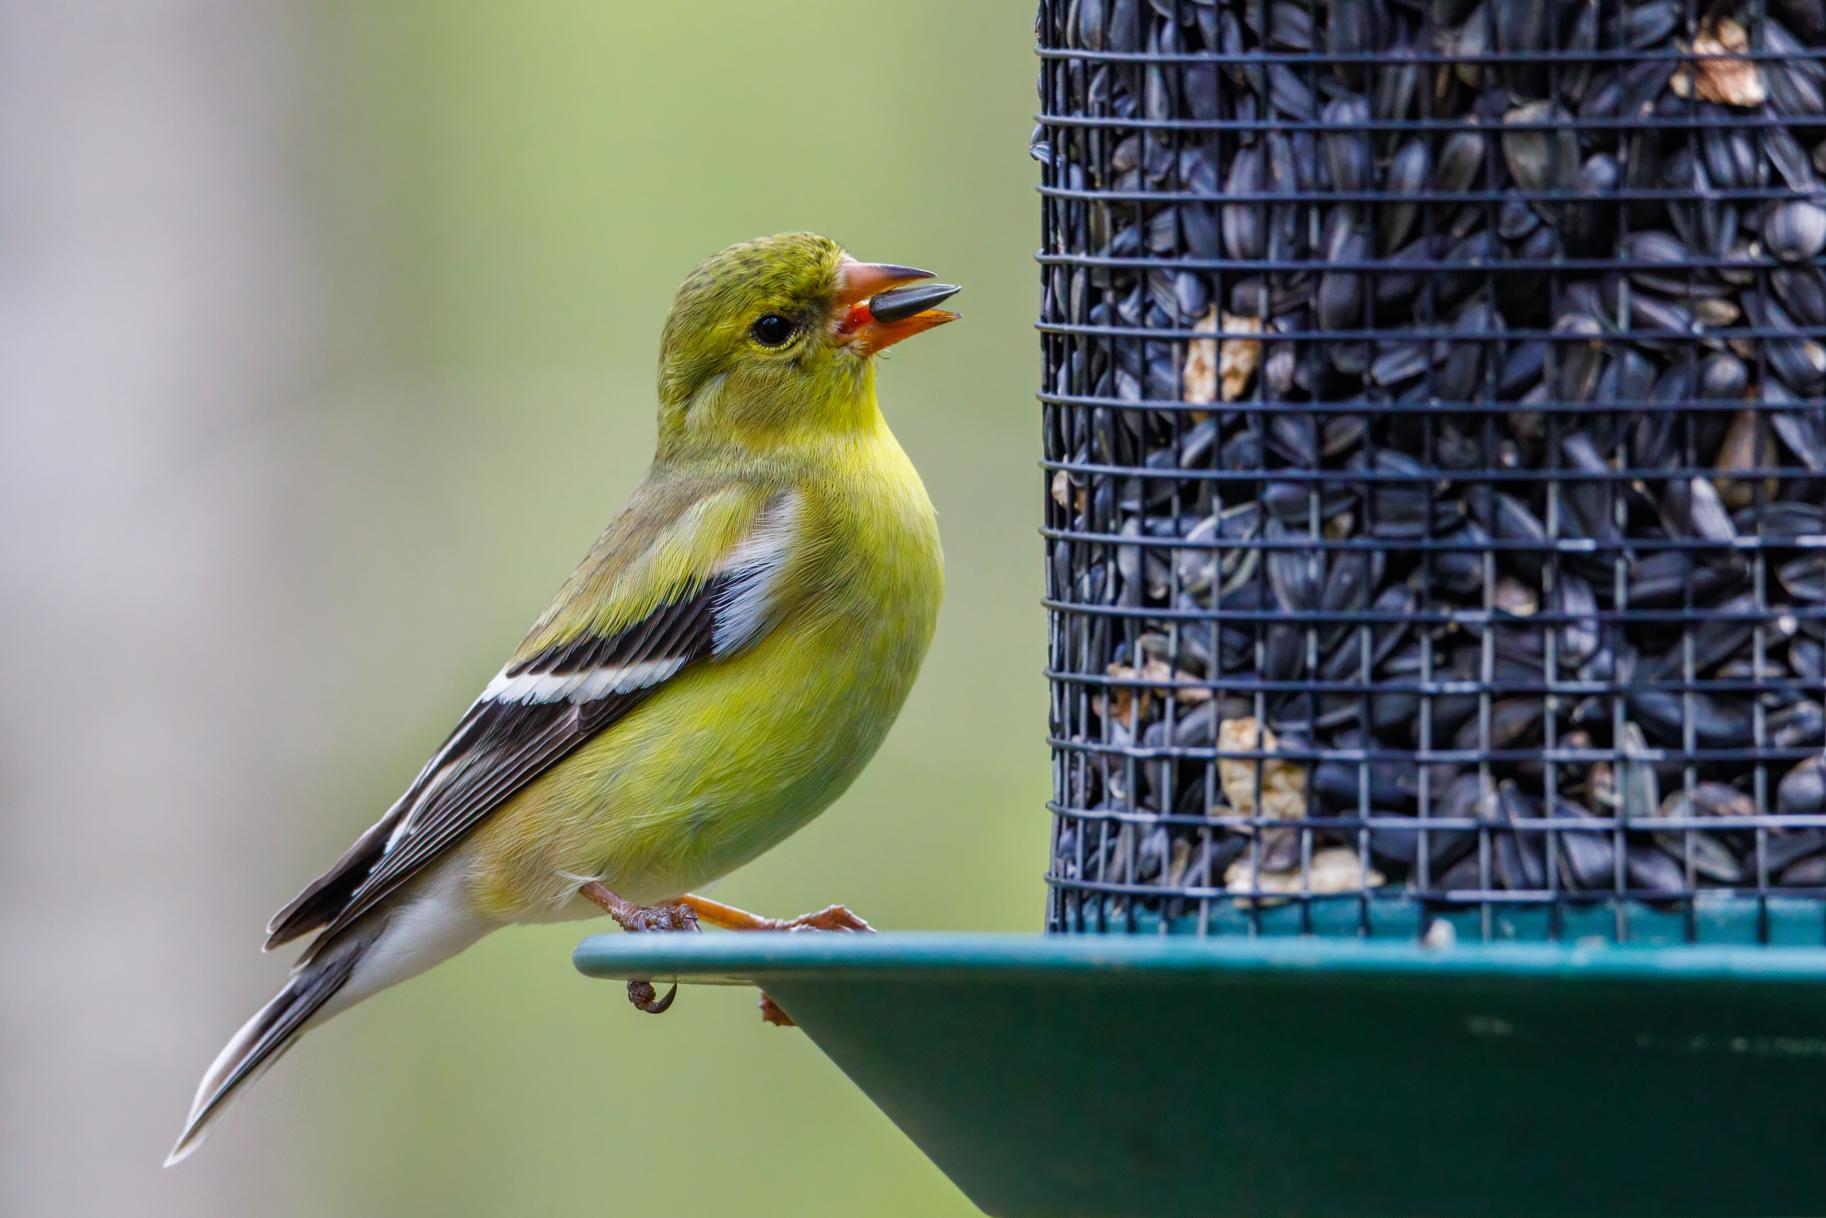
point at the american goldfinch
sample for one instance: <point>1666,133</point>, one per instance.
<point>718,669</point>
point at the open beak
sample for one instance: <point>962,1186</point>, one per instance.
<point>876,308</point>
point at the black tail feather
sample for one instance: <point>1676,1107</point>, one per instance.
<point>272,1030</point>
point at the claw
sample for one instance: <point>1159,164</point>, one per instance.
<point>641,994</point>
<point>771,1012</point>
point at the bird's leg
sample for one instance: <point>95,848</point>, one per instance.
<point>831,917</point>
<point>632,917</point>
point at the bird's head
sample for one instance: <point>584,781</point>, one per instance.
<point>772,342</point>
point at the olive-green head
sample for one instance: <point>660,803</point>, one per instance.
<point>771,341</point>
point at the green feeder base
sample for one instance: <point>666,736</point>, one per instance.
<point>1155,1077</point>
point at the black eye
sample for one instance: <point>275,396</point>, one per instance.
<point>772,330</point>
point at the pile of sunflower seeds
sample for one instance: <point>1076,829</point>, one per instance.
<point>1436,460</point>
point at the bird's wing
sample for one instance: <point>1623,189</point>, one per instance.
<point>688,573</point>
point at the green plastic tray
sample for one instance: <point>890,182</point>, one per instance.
<point>1161,1076</point>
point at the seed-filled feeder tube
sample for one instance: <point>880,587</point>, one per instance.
<point>1435,466</point>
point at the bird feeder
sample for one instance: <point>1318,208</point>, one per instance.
<point>1435,517</point>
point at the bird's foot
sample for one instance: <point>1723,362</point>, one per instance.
<point>660,917</point>
<point>676,915</point>
<point>831,917</point>
<point>632,917</point>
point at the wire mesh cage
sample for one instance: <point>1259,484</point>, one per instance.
<point>1435,466</point>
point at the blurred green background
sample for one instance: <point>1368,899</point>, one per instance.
<point>330,348</point>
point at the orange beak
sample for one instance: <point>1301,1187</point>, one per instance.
<point>875,309</point>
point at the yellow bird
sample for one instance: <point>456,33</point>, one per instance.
<point>718,669</point>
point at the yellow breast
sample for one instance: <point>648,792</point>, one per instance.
<point>730,757</point>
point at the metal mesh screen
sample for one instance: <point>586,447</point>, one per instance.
<point>1435,464</point>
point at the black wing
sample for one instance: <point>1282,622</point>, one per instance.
<point>533,714</point>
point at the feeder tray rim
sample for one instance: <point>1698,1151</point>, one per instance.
<point>747,957</point>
